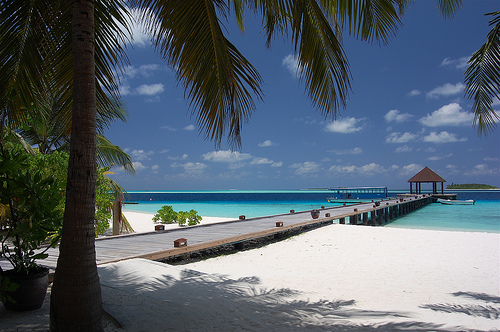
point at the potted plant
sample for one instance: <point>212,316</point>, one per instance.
<point>31,212</point>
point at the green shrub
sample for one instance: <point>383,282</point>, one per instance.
<point>166,215</point>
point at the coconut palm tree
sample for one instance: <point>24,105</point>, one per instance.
<point>482,79</point>
<point>78,41</point>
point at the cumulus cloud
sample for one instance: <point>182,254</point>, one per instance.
<point>443,137</point>
<point>226,156</point>
<point>345,126</point>
<point>483,169</point>
<point>404,148</point>
<point>183,157</point>
<point>356,150</point>
<point>150,89</point>
<point>448,115</point>
<point>261,161</point>
<point>189,127</point>
<point>410,169</point>
<point>368,169</point>
<point>401,138</point>
<point>396,116</point>
<point>292,64</point>
<point>191,167</point>
<point>414,92</point>
<point>145,70</point>
<point>459,63</point>
<point>446,90</point>
<point>140,154</point>
<point>307,167</point>
<point>278,164</point>
<point>266,143</point>
<point>138,166</point>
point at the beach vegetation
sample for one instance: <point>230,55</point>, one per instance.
<point>470,186</point>
<point>76,47</point>
<point>167,215</point>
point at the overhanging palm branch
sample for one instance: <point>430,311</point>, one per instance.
<point>218,80</point>
<point>109,154</point>
<point>482,79</point>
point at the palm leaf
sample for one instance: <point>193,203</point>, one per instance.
<point>109,154</point>
<point>482,79</point>
<point>218,80</point>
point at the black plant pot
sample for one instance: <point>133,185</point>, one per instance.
<point>315,214</point>
<point>31,291</point>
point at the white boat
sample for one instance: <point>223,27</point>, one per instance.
<point>456,202</point>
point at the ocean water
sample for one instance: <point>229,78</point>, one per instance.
<point>484,216</point>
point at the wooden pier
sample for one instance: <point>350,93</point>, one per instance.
<point>214,239</point>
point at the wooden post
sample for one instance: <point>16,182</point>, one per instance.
<point>365,218</point>
<point>117,217</point>
<point>342,221</point>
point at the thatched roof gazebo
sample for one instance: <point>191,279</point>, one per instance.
<point>426,175</point>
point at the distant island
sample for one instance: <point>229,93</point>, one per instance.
<point>470,186</point>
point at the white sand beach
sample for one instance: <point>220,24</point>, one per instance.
<point>336,278</point>
<point>143,222</point>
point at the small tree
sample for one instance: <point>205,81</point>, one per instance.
<point>166,214</point>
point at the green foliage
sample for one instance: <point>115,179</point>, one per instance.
<point>470,186</point>
<point>5,287</point>
<point>103,201</point>
<point>35,210</point>
<point>167,215</point>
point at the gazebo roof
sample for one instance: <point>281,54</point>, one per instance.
<point>426,175</point>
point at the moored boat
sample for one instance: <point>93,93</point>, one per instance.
<point>357,194</point>
<point>456,201</point>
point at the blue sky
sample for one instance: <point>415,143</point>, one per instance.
<point>406,110</point>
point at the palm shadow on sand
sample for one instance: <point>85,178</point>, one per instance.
<point>185,300</point>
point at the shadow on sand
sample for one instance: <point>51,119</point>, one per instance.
<point>486,310</point>
<point>187,300</point>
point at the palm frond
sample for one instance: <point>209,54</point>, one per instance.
<point>448,8</point>
<point>109,154</point>
<point>482,79</point>
<point>218,80</point>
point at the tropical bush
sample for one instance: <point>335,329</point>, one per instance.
<point>167,215</point>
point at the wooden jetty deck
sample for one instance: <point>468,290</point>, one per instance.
<point>236,235</point>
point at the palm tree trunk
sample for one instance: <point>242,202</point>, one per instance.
<point>76,303</point>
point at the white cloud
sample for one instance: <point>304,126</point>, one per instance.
<point>292,64</point>
<point>345,126</point>
<point>226,156</point>
<point>459,63</point>
<point>155,168</point>
<point>366,170</point>
<point>191,167</point>
<point>164,151</point>
<point>261,161</point>
<point>483,169</point>
<point>146,70</point>
<point>446,90</point>
<point>150,89</point>
<point>140,154</point>
<point>401,138</point>
<point>138,166</point>
<point>307,167</point>
<point>448,115</point>
<point>396,116</point>
<point>356,150</point>
<point>411,169</point>
<point>414,92</point>
<point>404,148</point>
<point>183,157</point>
<point>278,164</point>
<point>189,127</point>
<point>266,143</point>
<point>442,137</point>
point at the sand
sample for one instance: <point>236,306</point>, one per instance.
<point>143,222</point>
<point>336,278</point>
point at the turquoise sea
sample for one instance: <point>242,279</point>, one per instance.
<point>484,216</point>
